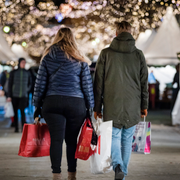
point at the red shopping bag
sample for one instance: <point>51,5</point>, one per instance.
<point>35,141</point>
<point>83,150</point>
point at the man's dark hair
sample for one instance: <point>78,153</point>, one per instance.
<point>123,25</point>
<point>21,59</point>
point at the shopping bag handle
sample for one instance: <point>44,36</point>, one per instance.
<point>144,118</point>
<point>37,121</point>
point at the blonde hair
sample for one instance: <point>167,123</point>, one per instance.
<point>66,41</point>
<point>123,26</point>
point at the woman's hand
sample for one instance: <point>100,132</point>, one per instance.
<point>89,113</point>
<point>37,113</point>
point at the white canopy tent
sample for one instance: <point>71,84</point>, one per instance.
<point>144,39</point>
<point>8,53</point>
<point>148,40</point>
<point>19,51</point>
<point>164,75</point>
<point>4,57</point>
<point>5,49</point>
<point>166,43</point>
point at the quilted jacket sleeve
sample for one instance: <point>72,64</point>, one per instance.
<point>87,86</point>
<point>29,81</point>
<point>40,84</point>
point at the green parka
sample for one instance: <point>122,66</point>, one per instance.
<point>121,82</point>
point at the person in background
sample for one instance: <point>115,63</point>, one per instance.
<point>121,86</point>
<point>3,78</point>
<point>151,78</point>
<point>63,89</point>
<point>176,86</point>
<point>20,83</point>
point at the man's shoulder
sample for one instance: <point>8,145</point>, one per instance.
<point>13,71</point>
<point>105,50</point>
<point>139,51</point>
<point>25,70</point>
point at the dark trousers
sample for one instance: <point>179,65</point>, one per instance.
<point>174,97</point>
<point>19,103</point>
<point>64,117</point>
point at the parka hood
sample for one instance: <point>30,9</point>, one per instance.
<point>124,43</point>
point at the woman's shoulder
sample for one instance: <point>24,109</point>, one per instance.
<point>54,49</point>
<point>84,64</point>
<point>54,53</point>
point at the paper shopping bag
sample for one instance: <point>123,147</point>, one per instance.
<point>83,149</point>
<point>100,161</point>
<point>142,138</point>
<point>35,141</point>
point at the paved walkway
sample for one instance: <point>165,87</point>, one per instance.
<point>162,164</point>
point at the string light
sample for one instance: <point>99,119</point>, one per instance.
<point>162,3</point>
<point>97,40</point>
<point>24,44</point>
<point>94,43</point>
<point>6,29</point>
<point>33,25</point>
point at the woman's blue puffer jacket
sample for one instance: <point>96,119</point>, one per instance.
<point>57,75</point>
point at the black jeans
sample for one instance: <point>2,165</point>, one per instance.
<point>64,117</point>
<point>19,103</point>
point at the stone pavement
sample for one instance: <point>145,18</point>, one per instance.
<point>162,164</point>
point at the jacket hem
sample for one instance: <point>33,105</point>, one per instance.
<point>63,94</point>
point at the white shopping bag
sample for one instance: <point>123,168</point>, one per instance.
<point>142,138</point>
<point>100,161</point>
<point>176,111</point>
<point>2,100</point>
<point>9,111</point>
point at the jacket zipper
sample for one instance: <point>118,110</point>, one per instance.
<point>20,94</point>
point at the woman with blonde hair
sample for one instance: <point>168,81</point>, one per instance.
<point>63,90</point>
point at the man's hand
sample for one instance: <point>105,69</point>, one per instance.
<point>96,114</point>
<point>8,99</point>
<point>144,112</point>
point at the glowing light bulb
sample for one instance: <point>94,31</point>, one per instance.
<point>97,40</point>
<point>162,3</point>
<point>6,29</point>
<point>24,44</point>
<point>93,43</point>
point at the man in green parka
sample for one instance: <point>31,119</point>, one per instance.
<point>121,87</point>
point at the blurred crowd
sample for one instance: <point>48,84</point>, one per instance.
<point>16,87</point>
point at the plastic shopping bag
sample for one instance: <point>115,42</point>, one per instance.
<point>142,138</point>
<point>83,149</point>
<point>2,100</point>
<point>35,141</point>
<point>9,111</point>
<point>100,161</point>
<point>176,111</point>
